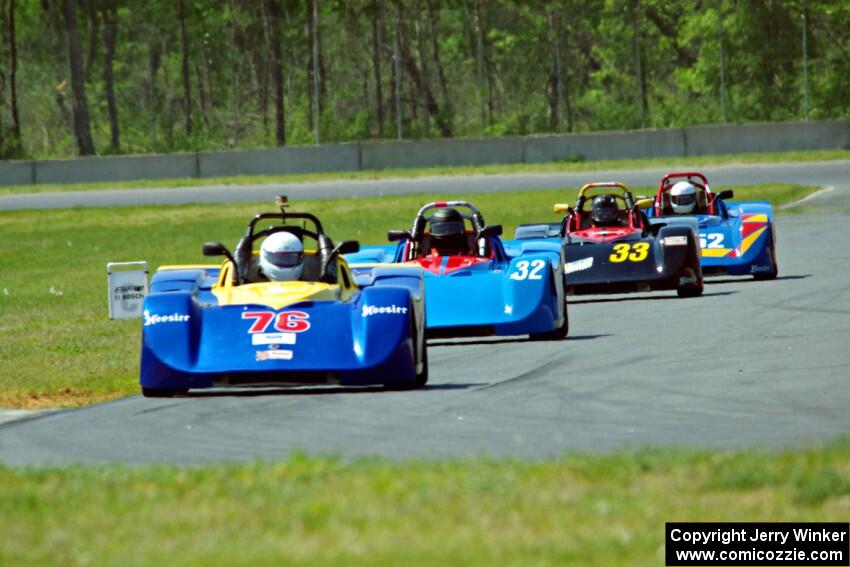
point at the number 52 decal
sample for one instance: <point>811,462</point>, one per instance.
<point>523,272</point>
<point>714,240</point>
<point>636,252</point>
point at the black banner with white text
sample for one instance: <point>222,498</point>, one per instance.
<point>753,543</point>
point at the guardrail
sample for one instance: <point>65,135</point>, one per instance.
<point>368,155</point>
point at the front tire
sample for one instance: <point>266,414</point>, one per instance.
<point>774,265</point>
<point>559,333</point>
<point>163,392</point>
<point>690,289</point>
<point>421,377</point>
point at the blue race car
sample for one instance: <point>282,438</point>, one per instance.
<point>473,286</point>
<point>736,238</point>
<point>224,325</point>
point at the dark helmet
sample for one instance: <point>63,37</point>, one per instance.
<point>447,231</point>
<point>604,210</point>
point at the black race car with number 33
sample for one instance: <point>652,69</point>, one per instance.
<point>612,247</point>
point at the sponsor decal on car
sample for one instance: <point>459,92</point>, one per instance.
<point>273,339</point>
<point>711,240</point>
<point>676,241</point>
<point>285,321</point>
<point>578,265</point>
<point>758,269</point>
<point>157,319</point>
<point>687,280</point>
<point>369,310</point>
<point>273,355</point>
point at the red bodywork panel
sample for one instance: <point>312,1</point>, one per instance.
<point>605,233</point>
<point>443,265</point>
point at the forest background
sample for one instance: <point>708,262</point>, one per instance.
<point>80,77</point>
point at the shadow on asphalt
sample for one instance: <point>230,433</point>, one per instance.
<point>319,390</point>
<point>484,341</point>
<point>747,279</point>
<point>646,298</point>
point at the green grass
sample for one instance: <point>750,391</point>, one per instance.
<point>57,346</point>
<point>564,166</point>
<point>578,510</point>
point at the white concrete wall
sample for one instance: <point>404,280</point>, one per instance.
<point>595,146</point>
<point>367,155</point>
<point>767,137</point>
<point>116,168</point>
<point>17,172</point>
<point>280,161</point>
<point>432,153</point>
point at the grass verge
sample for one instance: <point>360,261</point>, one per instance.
<point>565,166</point>
<point>578,510</point>
<point>57,346</point>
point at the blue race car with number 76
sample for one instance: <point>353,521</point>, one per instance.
<point>235,323</point>
<point>473,286</point>
<point>736,238</point>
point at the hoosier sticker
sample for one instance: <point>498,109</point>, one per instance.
<point>157,319</point>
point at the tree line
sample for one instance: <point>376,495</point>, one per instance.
<point>133,76</point>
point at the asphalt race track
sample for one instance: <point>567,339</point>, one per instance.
<point>826,173</point>
<point>763,364</point>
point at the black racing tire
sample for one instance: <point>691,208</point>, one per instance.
<point>692,271</point>
<point>559,333</point>
<point>774,265</point>
<point>163,392</point>
<point>421,378</point>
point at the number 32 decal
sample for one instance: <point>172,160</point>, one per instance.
<point>523,272</point>
<point>636,252</point>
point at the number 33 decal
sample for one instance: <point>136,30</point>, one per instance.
<point>523,271</point>
<point>636,252</point>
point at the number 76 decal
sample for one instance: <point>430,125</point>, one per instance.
<point>523,272</point>
<point>636,252</point>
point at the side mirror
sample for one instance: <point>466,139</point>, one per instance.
<point>727,194</point>
<point>489,231</point>
<point>347,247</point>
<point>644,203</point>
<point>215,249</point>
<point>562,209</point>
<point>219,249</point>
<point>396,235</point>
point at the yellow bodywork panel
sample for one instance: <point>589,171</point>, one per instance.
<point>278,295</point>
<point>188,267</point>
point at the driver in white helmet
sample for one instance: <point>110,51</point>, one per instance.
<point>282,257</point>
<point>683,198</point>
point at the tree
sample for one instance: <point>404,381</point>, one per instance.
<point>187,82</point>
<point>110,31</point>
<point>271,15</point>
<point>13,81</point>
<point>82,127</point>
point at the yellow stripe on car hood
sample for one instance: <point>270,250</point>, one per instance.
<point>278,295</point>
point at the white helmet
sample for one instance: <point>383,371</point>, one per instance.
<point>683,198</point>
<point>282,257</point>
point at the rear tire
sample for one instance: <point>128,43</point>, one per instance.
<point>163,392</point>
